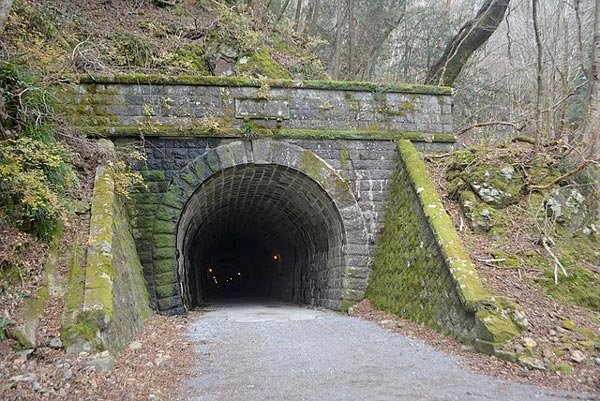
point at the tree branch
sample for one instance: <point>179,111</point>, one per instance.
<point>582,167</point>
<point>514,125</point>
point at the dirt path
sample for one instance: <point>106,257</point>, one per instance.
<point>270,351</point>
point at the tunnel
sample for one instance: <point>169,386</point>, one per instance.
<point>261,230</point>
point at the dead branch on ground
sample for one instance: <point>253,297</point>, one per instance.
<point>582,167</point>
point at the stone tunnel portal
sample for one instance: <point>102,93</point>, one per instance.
<point>261,230</point>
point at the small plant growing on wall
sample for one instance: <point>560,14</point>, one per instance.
<point>249,129</point>
<point>210,124</point>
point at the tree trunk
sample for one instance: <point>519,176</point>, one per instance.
<point>5,6</point>
<point>591,125</point>
<point>471,36</point>
<point>298,15</point>
<point>351,41</point>
<point>259,9</point>
<point>314,18</point>
<point>338,40</point>
<point>283,9</point>
<point>563,130</point>
<point>539,132</point>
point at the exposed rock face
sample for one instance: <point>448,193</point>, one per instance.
<point>484,185</point>
<point>497,186</point>
<point>481,216</point>
<point>222,58</point>
<point>568,207</point>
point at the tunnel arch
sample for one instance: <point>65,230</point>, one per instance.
<point>251,201</point>
<point>261,229</point>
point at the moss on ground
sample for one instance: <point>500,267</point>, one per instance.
<point>100,274</point>
<point>261,65</point>
<point>189,57</point>
<point>581,287</point>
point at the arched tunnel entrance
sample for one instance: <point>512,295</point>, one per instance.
<point>261,230</point>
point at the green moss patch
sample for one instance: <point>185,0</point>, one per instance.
<point>166,131</point>
<point>189,57</point>
<point>252,82</point>
<point>261,65</point>
<point>581,287</point>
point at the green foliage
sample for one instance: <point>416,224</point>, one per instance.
<point>129,50</point>
<point>24,104</point>
<point>33,34</point>
<point>249,129</point>
<point>233,26</point>
<point>34,171</point>
<point>126,179</point>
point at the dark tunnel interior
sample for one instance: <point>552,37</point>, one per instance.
<point>261,230</point>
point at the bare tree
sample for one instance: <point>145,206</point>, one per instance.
<point>591,125</point>
<point>314,17</point>
<point>351,41</point>
<point>298,16</point>
<point>539,75</point>
<point>259,9</point>
<point>338,39</point>
<point>471,36</point>
<point>283,9</point>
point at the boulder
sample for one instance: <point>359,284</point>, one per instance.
<point>497,186</point>
<point>568,207</point>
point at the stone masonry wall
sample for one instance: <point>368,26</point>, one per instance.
<point>115,299</point>
<point>350,126</point>
<point>366,166</point>
<point>423,272</point>
<point>148,103</point>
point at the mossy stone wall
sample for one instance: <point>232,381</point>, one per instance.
<point>115,297</point>
<point>205,106</point>
<point>422,271</point>
<point>409,277</point>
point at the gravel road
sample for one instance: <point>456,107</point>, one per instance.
<point>258,351</point>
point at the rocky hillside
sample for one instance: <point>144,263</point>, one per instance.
<point>526,219</point>
<point>188,38</point>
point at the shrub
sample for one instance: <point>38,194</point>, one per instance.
<point>35,173</point>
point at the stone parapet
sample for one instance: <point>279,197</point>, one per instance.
<point>191,106</point>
